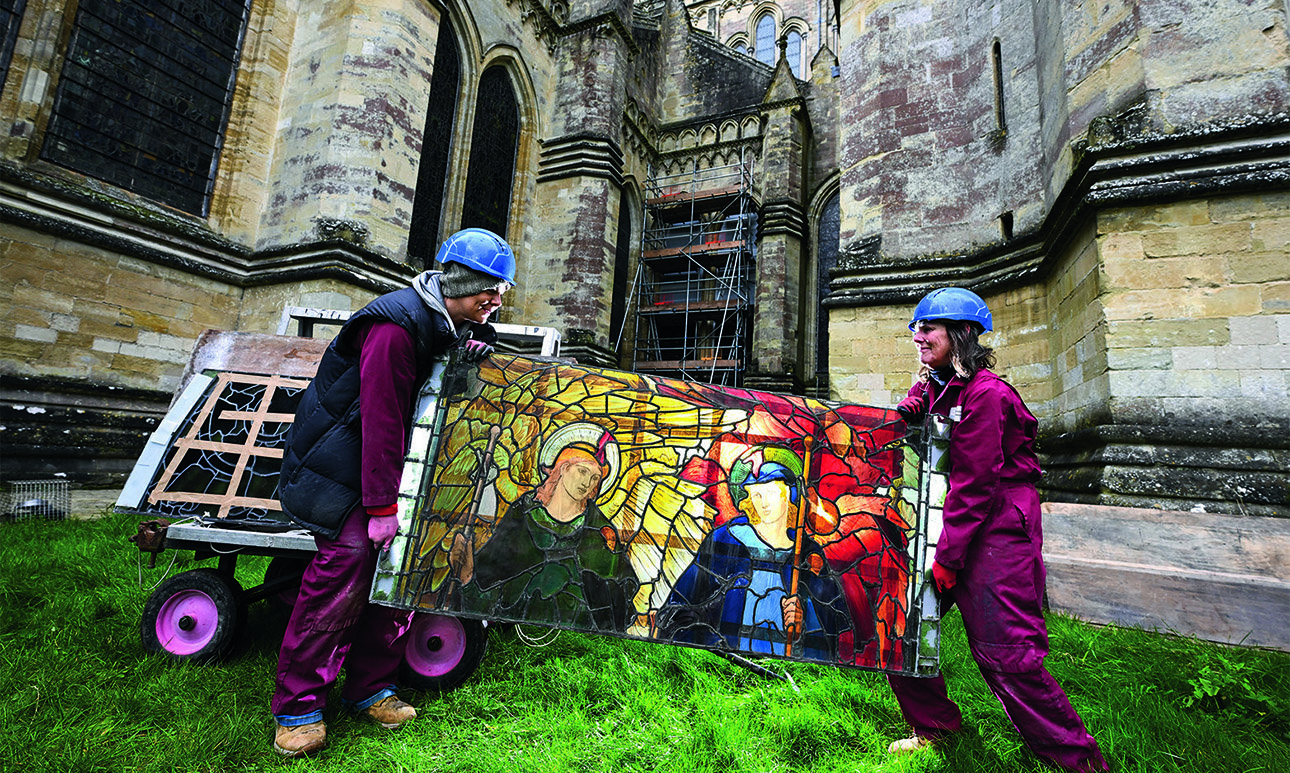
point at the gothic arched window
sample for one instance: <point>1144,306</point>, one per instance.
<point>144,94</point>
<point>10,19</point>
<point>827,240</point>
<point>793,53</point>
<point>622,254</point>
<point>493,145</point>
<point>436,146</point>
<point>765,42</point>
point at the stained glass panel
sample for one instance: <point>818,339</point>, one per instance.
<point>765,39</point>
<point>793,53</point>
<point>677,512</point>
<point>223,450</point>
<point>217,453</point>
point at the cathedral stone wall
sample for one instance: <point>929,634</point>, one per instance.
<point>1196,299</point>
<point>77,312</point>
<point>1107,177</point>
<point>1156,355</point>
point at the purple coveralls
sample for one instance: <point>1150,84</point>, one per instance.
<point>332,622</point>
<point>993,538</point>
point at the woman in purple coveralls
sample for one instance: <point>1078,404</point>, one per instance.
<point>340,480</point>
<point>988,559</point>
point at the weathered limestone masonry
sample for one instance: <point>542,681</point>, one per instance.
<point>1119,198</point>
<point>775,363</point>
<point>580,180</point>
<point>105,291</point>
<point>314,186</point>
<point>349,131</point>
<point>1140,295</point>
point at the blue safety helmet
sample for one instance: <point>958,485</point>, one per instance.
<point>481,250</point>
<point>953,303</point>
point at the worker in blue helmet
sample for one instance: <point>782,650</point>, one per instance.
<point>480,251</point>
<point>954,303</point>
<point>341,473</point>
<point>988,557</point>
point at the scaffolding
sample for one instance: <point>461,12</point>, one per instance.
<point>694,282</point>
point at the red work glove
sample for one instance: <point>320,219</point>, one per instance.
<point>943,576</point>
<point>475,351</point>
<point>912,407</point>
<point>382,529</point>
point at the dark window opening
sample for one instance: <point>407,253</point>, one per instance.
<point>997,56</point>
<point>493,146</point>
<point>622,252</point>
<point>1005,225</point>
<point>144,95</point>
<point>436,149</point>
<point>10,20</point>
<point>828,237</point>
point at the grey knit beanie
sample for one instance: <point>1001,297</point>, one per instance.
<point>459,281</point>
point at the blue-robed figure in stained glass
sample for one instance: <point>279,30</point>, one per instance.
<point>744,591</point>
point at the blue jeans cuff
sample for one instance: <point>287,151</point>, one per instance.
<point>364,705</point>
<point>286,720</point>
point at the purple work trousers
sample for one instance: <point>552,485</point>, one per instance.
<point>1000,595</point>
<point>333,624</point>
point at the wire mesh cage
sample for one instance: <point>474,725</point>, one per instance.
<point>31,499</point>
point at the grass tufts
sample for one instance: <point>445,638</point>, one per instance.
<point>80,694</point>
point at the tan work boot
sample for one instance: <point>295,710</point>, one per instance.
<point>301,740</point>
<point>910,744</point>
<point>390,712</point>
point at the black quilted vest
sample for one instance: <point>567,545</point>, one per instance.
<point>321,480</point>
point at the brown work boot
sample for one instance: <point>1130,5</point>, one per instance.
<point>390,712</point>
<point>300,740</point>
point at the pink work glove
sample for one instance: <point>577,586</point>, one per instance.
<point>943,576</point>
<point>913,406</point>
<point>475,351</point>
<point>382,528</point>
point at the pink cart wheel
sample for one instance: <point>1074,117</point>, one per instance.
<point>192,616</point>
<point>443,651</point>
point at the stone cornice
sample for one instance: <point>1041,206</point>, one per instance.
<point>753,143</point>
<point>581,156</point>
<point>1245,157</point>
<point>783,216</point>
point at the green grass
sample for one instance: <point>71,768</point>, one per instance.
<point>79,694</point>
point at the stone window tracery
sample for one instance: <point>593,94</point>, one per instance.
<point>436,148</point>
<point>144,94</point>
<point>493,146</point>
<point>765,48</point>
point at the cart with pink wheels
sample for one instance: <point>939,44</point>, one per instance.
<point>198,614</point>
